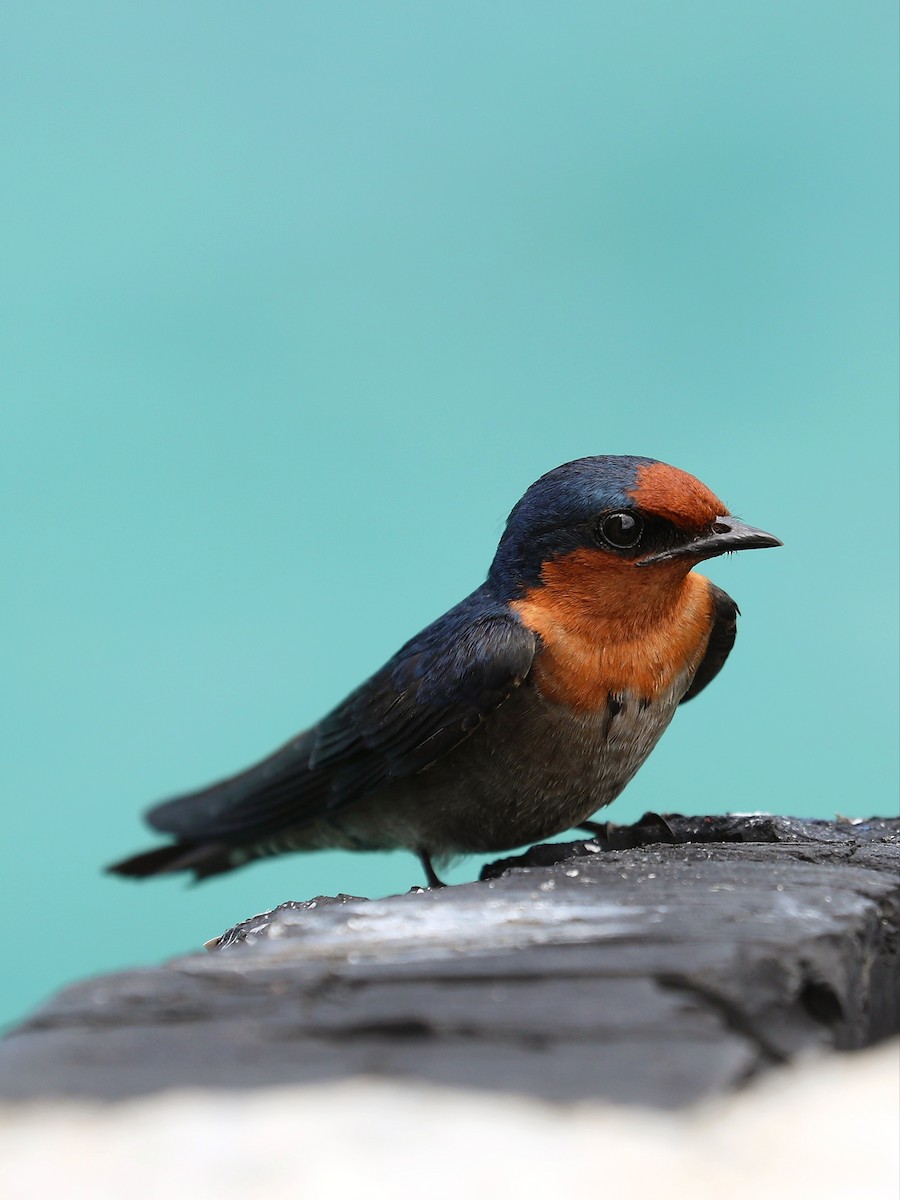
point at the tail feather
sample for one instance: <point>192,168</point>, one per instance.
<point>232,822</point>
<point>281,790</point>
<point>204,860</point>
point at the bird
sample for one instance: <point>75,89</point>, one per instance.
<point>518,713</point>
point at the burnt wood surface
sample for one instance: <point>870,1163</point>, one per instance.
<point>624,967</point>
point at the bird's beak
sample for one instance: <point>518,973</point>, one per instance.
<point>727,533</point>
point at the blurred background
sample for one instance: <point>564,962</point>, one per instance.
<point>301,297</point>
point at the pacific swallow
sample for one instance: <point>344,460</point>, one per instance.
<point>518,713</point>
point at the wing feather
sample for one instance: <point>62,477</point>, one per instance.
<point>418,707</point>
<point>721,640</point>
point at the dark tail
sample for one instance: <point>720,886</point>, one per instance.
<point>204,860</point>
<point>230,823</point>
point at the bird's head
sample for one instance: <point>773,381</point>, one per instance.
<point>634,518</point>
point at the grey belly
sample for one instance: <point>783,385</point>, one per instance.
<point>532,770</point>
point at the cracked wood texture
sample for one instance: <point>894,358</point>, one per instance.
<point>654,973</point>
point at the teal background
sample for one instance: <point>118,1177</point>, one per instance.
<point>299,298</point>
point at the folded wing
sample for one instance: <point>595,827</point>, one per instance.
<point>432,695</point>
<point>721,640</point>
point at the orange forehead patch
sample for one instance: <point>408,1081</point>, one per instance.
<point>676,496</point>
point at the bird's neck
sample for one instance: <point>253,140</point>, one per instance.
<point>589,588</point>
<point>609,627</point>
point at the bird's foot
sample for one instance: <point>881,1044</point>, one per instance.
<point>430,873</point>
<point>649,830</point>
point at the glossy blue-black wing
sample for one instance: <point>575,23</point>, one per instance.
<point>428,700</point>
<point>432,695</point>
<point>721,640</point>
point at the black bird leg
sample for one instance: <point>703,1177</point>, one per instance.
<point>596,828</point>
<point>648,831</point>
<point>430,873</point>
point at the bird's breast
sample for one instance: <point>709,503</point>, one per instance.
<point>534,769</point>
<point>610,671</point>
<point>594,646</point>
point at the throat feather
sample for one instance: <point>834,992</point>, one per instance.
<point>588,653</point>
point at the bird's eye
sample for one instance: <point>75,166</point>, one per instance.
<point>621,529</point>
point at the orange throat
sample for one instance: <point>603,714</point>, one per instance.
<point>608,627</point>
